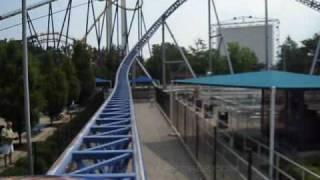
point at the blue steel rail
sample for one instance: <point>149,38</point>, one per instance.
<point>108,147</point>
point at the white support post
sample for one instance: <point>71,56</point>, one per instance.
<point>210,38</point>
<point>272,131</point>
<point>268,62</point>
<point>164,79</point>
<point>109,24</point>
<point>124,29</point>
<point>26,86</point>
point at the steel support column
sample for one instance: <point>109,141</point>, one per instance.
<point>272,130</point>
<point>163,47</point>
<point>209,40</point>
<point>109,25</point>
<point>26,85</point>
<point>124,27</point>
<point>268,62</point>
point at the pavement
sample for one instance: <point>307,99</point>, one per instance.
<point>164,156</point>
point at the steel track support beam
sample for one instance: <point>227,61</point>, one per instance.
<point>315,59</point>
<point>222,38</point>
<point>185,59</point>
<point>32,30</point>
<point>163,47</point>
<point>145,71</point>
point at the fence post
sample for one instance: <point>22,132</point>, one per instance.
<point>177,113</point>
<point>185,123</point>
<point>179,116</point>
<point>171,102</point>
<point>214,153</point>
<point>35,154</point>
<point>197,136</point>
<point>249,175</point>
<point>277,167</point>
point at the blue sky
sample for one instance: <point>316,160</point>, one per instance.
<point>188,23</point>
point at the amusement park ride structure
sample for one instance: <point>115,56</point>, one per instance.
<point>109,147</point>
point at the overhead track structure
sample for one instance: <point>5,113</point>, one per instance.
<point>311,3</point>
<point>19,11</point>
<point>108,147</point>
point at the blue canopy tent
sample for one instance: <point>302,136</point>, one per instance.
<point>271,80</point>
<point>143,80</point>
<point>102,82</point>
<point>259,80</point>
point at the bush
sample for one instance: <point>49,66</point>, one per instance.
<point>15,171</point>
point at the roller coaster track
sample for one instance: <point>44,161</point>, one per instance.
<point>311,3</point>
<point>108,147</point>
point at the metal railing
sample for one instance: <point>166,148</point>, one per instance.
<point>197,133</point>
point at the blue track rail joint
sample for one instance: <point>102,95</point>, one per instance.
<point>108,147</point>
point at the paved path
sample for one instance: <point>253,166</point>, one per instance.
<point>164,156</point>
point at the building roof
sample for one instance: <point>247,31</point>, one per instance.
<point>259,80</point>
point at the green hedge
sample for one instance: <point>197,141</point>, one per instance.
<point>47,152</point>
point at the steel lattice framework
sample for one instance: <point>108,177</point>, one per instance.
<point>311,3</point>
<point>108,147</point>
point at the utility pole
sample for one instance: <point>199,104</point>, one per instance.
<point>209,40</point>
<point>268,62</point>
<point>26,85</point>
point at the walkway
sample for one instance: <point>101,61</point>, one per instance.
<point>164,156</point>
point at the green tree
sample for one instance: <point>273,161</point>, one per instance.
<point>56,92</point>
<point>295,58</point>
<point>243,59</point>
<point>54,82</point>
<point>72,80</point>
<point>81,58</point>
<point>11,90</point>
<point>154,63</point>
